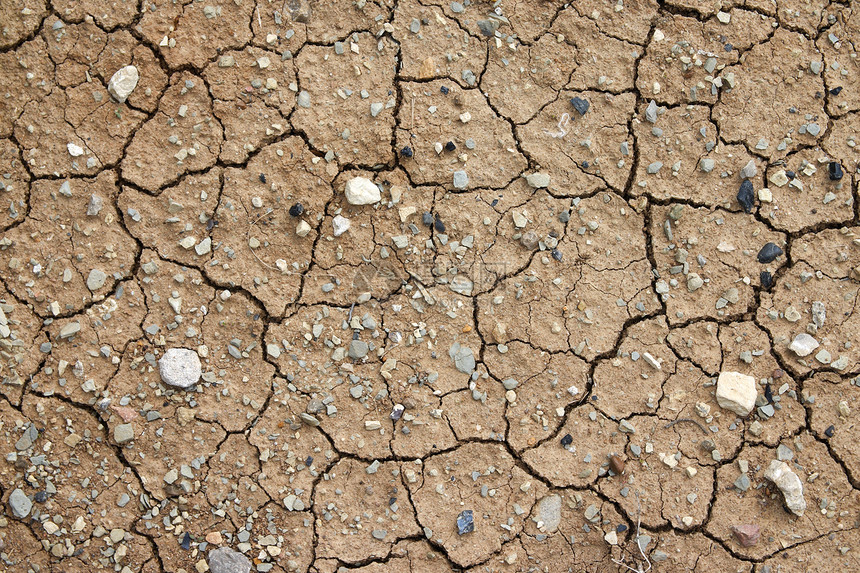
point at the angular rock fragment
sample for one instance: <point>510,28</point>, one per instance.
<point>803,345</point>
<point>362,191</point>
<point>789,484</point>
<point>123,82</point>
<point>226,560</point>
<point>736,392</point>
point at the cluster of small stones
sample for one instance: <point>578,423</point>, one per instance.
<point>429,286</point>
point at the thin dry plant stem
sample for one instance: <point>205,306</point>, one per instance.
<point>639,545</point>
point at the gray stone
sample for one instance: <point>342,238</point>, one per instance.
<point>123,433</point>
<point>95,205</point>
<point>549,512</point>
<point>376,108</point>
<point>70,329</point>
<point>651,112</point>
<point>123,82</point>
<point>96,279</point>
<point>749,170</point>
<point>227,560</point>
<point>357,349</point>
<point>461,180</point>
<point>706,164</point>
<point>463,357</point>
<point>304,99</point>
<point>20,504</point>
<point>180,367</point>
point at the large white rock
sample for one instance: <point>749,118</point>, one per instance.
<point>736,392</point>
<point>123,82</point>
<point>180,367</point>
<point>362,191</point>
<point>789,484</point>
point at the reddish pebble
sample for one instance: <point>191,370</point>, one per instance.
<point>127,414</point>
<point>777,374</point>
<point>747,535</point>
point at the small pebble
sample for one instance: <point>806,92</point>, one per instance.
<point>297,210</point>
<point>580,105</point>
<point>746,196</point>
<point>769,253</point>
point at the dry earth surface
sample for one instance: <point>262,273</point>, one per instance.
<point>592,307</point>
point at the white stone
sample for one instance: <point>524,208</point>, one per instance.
<point>803,345</point>
<point>340,224</point>
<point>75,150</point>
<point>789,484</point>
<point>302,229</point>
<point>736,392</point>
<point>180,367</point>
<point>123,82</point>
<point>362,191</point>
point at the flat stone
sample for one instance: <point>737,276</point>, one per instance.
<point>461,180</point>
<point>357,349</point>
<point>123,433</point>
<point>651,112</point>
<point>70,329</point>
<point>747,535</point>
<point>549,513</point>
<point>736,392</point>
<point>803,345</point>
<point>20,504</point>
<point>96,279</point>
<point>123,82</point>
<point>362,191</point>
<point>180,367</point>
<point>463,357</point>
<point>789,484</point>
<point>769,253</point>
<point>538,180</point>
<point>227,560</point>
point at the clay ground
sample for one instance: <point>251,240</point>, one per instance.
<point>545,286</point>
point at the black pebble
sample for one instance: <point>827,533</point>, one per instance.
<point>836,91</point>
<point>186,541</point>
<point>768,394</point>
<point>406,152</point>
<point>444,90</point>
<point>621,528</point>
<point>494,202</point>
<point>297,210</point>
<point>40,497</point>
<point>728,47</point>
<point>262,177</point>
<point>835,171</point>
<point>790,174</point>
<point>427,219</point>
<point>768,253</point>
<point>450,146</point>
<point>556,254</point>
<point>308,461</point>
<point>566,440</point>
<point>585,164</point>
<point>580,105</point>
<point>746,196</point>
<point>829,431</point>
<point>766,280</point>
<point>439,225</point>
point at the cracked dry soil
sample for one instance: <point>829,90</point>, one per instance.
<point>526,320</point>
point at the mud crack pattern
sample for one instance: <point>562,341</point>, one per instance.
<point>528,325</point>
